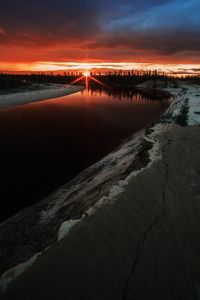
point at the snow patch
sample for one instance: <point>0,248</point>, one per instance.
<point>59,197</point>
<point>154,154</point>
<point>48,92</point>
<point>65,228</point>
<point>176,112</point>
<point>189,93</point>
<point>109,167</point>
<point>15,272</point>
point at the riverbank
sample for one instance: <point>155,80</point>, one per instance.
<point>134,215</point>
<point>42,93</point>
<point>184,95</point>
<point>143,245</point>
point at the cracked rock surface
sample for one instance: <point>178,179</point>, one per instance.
<point>146,245</point>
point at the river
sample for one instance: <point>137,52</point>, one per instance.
<point>45,144</point>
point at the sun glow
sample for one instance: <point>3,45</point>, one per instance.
<point>95,68</point>
<point>86,73</point>
<point>87,77</point>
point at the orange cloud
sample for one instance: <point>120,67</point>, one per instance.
<point>175,69</point>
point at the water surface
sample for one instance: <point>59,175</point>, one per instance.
<point>45,144</point>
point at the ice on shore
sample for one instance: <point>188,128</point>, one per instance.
<point>65,228</point>
<point>186,94</point>
<point>53,91</point>
<point>15,272</point>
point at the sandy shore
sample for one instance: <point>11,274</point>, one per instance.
<point>52,91</point>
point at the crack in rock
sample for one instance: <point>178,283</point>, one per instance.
<point>157,220</point>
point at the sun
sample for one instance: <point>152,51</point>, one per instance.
<point>87,77</point>
<point>86,73</point>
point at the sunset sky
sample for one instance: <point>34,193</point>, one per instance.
<point>58,34</point>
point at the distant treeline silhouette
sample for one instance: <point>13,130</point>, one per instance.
<point>111,79</point>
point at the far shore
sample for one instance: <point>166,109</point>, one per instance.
<point>52,91</point>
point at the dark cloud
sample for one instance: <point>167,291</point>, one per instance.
<point>62,20</point>
<point>195,69</point>
<point>162,42</point>
<point>165,27</point>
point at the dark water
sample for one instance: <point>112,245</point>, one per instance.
<point>45,144</point>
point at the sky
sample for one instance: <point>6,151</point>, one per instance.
<point>52,34</point>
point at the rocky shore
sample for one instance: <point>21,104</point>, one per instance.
<point>126,228</point>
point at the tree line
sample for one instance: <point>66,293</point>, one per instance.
<point>115,78</point>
